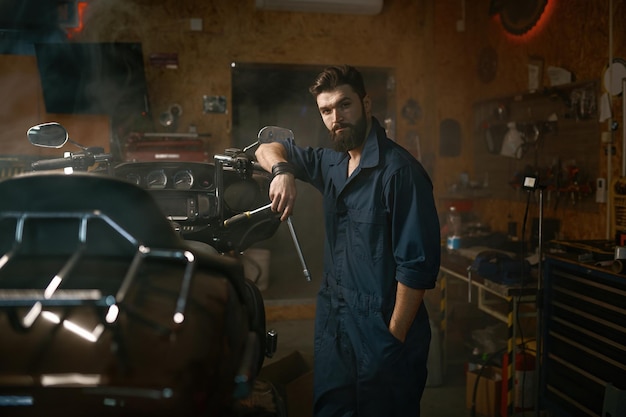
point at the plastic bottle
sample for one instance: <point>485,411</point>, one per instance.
<point>513,143</point>
<point>474,362</point>
<point>453,241</point>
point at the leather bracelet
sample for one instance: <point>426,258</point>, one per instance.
<point>283,168</point>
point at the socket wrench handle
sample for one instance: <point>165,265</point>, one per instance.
<point>305,269</point>
<point>245,215</point>
<point>469,284</point>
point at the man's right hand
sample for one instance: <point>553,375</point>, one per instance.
<point>283,194</point>
<point>282,191</point>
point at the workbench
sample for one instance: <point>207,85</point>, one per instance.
<point>498,300</point>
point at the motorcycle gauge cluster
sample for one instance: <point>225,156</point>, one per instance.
<point>182,176</point>
<point>134,178</point>
<point>156,179</point>
<point>183,180</point>
<point>159,179</point>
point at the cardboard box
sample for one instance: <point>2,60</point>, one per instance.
<point>293,378</point>
<point>488,394</point>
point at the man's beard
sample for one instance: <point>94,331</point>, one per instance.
<point>351,137</point>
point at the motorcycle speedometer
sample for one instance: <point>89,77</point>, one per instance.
<point>133,178</point>
<point>156,179</point>
<point>183,180</point>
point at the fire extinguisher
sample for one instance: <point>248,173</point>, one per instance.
<point>523,382</point>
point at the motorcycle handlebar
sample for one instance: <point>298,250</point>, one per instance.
<point>233,161</point>
<point>56,163</point>
<point>103,157</point>
<point>76,160</point>
<point>257,167</point>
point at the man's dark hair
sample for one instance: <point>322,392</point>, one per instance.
<point>333,77</point>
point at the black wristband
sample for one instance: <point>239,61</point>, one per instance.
<point>283,168</point>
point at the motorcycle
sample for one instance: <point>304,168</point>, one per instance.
<point>121,288</point>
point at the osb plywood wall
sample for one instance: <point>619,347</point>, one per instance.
<point>561,132</point>
<point>435,65</point>
<point>22,107</point>
<point>575,37</point>
<point>234,31</point>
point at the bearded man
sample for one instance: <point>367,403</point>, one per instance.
<point>381,253</point>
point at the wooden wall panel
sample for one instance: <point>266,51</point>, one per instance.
<point>575,37</point>
<point>435,65</point>
<point>561,144</point>
<point>234,31</point>
<point>23,107</point>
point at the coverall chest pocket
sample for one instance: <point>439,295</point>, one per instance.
<point>367,234</point>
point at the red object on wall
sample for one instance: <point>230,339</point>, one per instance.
<point>139,149</point>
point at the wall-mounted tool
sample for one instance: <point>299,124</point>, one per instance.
<point>169,118</point>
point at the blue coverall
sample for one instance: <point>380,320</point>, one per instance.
<point>382,227</point>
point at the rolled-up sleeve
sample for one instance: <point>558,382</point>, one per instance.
<point>414,228</point>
